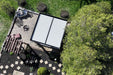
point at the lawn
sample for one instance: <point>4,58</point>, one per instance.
<point>55,6</point>
<point>4,27</point>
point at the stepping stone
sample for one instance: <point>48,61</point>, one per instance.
<point>60,65</point>
<point>58,70</point>
<point>31,62</point>
<point>21,62</point>
<point>15,72</point>
<point>18,68</point>
<point>63,73</point>
<point>4,71</point>
<point>46,62</point>
<point>16,62</point>
<point>12,65</point>
<point>18,57</point>
<point>53,68</point>
<point>36,61</point>
<point>41,61</point>
<point>50,65</point>
<point>1,67</point>
<point>6,66</point>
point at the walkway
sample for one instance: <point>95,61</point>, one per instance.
<point>9,63</point>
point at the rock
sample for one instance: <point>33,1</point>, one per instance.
<point>64,14</point>
<point>42,7</point>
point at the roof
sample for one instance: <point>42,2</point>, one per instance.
<point>49,31</point>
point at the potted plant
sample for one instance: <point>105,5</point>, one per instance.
<point>11,53</point>
<point>31,71</point>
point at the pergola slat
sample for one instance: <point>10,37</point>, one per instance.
<point>12,45</point>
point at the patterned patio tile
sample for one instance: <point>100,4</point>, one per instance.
<point>6,66</point>
<point>58,70</point>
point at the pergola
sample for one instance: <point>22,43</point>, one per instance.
<point>49,31</point>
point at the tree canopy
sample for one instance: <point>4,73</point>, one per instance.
<point>88,42</point>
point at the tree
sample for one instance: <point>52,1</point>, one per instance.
<point>80,61</point>
<point>88,42</point>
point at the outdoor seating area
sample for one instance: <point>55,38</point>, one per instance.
<point>29,40</point>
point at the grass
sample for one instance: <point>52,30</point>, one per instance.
<point>55,6</point>
<point>4,27</point>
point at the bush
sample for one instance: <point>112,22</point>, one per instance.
<point>42,71</point>
<point>11,53</point>
<point>22,3</point>
<point>105,6</point>
<point>51,74</point>
<point>7,7</point>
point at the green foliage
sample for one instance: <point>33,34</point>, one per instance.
<point>4,26</point>
<point>31,69</point>
<point>88,41</point>
<point>55,6</point>
<point>22,2</point>
<point>51,74</point>
<point>11,53</point>
<point>80,61</point>
<point>7,7</point>
<point>105,6</point>
<point>42,71</point>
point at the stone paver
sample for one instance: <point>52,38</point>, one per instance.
<point>16,62</point>
<point>4,71</point>
<point>50,65</point>
<point>12,65</point>
<point>18,57</point>
<point>53,68</point>
<point>36,61</point>
<point>60,65</point>
<point>41,61</point>
<point>58,70</point>
<point>17,73</point>
<point>18,68</point>
<point>1,67</point>
<point>21,62</point>
<point>6,66</point>
<point>46,62</point>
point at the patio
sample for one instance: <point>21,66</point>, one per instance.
<point>10,64</point>
<point>30,22</point>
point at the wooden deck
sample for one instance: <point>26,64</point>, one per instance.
<point>12,45</point>
<point>30,21</point>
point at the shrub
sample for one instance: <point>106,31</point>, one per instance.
<point>22,2</point>
<point>7,7</point>
<point>11,53</point>
<point>105,6</point>
<point>42,71</point>
<point>51,74</point>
